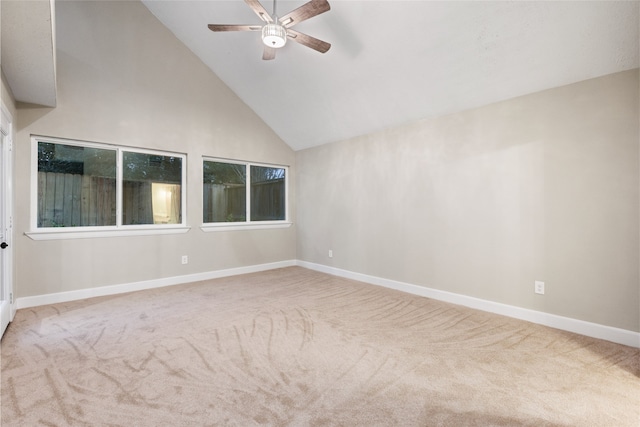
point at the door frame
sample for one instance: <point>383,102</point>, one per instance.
<point>6,133</point>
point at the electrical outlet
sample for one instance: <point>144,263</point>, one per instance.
<point>330,253</point>
<point>539,287</point>
<point>185,259</point>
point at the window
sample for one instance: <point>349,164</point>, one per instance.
<point>151,189</point>
<point>80,186</point>
<point>76,186</point>
<point>243,193</point>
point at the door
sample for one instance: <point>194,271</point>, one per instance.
<point>6,244</point>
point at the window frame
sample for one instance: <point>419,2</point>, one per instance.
<point>119,229</point>
<point>247,224</point>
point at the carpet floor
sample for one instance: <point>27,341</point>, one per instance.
<point>294,347</point>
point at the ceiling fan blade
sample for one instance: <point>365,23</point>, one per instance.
<point>223,27</point>
<point>259,10</point>
<point>269,53</point>
<point>312,42</point>
<point>304,12</point>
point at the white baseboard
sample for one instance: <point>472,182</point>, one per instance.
<point>594,330</point>
<point>620,336</point>
<point>37,300</point>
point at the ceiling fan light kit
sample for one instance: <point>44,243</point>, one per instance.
<point>274,35</point>
<point>276,31</point>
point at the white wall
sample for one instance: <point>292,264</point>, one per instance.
<point>123,78</point>
<point>485,202</point>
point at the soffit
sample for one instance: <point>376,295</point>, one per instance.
<point>28,50</point>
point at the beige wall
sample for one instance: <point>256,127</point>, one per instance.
<point>485,202</point>
<point>481,203</point>
<point>123,78</point>
<point>7,97</point>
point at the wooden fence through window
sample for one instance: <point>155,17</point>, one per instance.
<point>73,200</point>
<point>227,203</point>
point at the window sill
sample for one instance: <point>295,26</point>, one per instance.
<point>243,227</point>
<point>84,234</point>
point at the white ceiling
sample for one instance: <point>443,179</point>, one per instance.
<point>393,62</point>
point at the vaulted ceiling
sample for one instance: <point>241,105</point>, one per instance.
<point>393,62</point>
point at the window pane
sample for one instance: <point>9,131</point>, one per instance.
<point>224,197</point>
<point>151,189</point>
<point>76,186</point>
<point>267,193</point>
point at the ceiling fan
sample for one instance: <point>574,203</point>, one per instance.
<point>276,30</point>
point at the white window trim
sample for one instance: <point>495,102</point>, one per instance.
<point>240,226</point>
<point>248,224</point>
<point>54,233</point>
<point>89,234</point>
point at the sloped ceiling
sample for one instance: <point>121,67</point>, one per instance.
<point>28,50</point>
<point>393,62</point>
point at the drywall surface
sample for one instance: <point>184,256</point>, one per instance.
<point>7,97</point>
<point>124,79</point>
<point>485,202</point>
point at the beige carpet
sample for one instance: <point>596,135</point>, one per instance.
<point>293,347</point>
